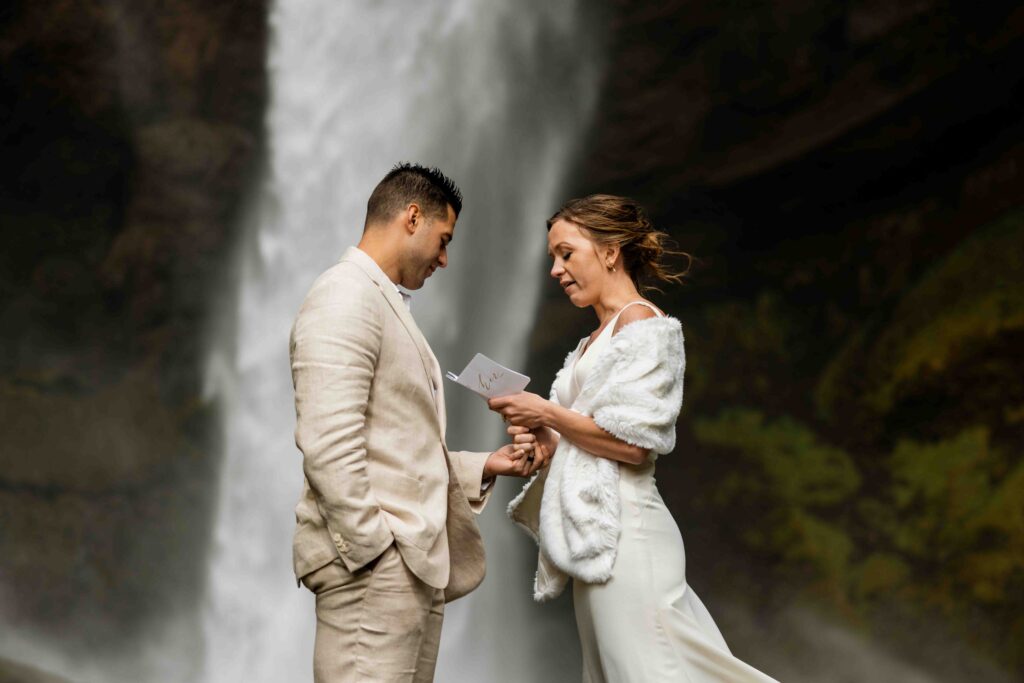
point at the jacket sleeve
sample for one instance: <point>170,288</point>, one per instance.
<point>641,398</point>
<point>469,468</point>
<point>335,344</point>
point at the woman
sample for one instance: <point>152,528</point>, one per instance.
<point>596,512</point>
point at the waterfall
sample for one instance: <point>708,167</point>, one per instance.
<point>496,94</point>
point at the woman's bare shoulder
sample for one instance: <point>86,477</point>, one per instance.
<point>633,313</point>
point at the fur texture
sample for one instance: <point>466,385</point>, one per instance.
<point>634,391</point>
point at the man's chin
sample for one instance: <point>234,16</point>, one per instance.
<point>418,283</point>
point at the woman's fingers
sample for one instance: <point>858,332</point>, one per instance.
<point>522,449</point>
<point>497,404</point>
<point>517,429</point>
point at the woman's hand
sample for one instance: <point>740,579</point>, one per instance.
<point>547,438</point>
<point>539,453</point>
<point>523,409</point>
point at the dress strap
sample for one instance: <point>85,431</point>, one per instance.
<point>585,343</point>
<point>642,303</point>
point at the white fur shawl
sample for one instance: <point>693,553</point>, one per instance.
<point>634,391</point>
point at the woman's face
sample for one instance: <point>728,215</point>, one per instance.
<point>576,264</point>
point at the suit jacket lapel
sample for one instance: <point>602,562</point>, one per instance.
<point>394,299</point>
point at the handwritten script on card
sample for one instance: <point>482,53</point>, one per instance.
<point>489,379</point>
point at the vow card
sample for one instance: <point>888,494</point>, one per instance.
<point>489,379</point>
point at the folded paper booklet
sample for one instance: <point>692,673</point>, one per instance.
<point>489,379</point>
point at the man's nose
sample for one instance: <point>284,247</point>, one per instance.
<point>442,259</point>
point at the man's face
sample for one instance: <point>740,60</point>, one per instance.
<point>428,248</point>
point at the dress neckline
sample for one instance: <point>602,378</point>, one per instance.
<point>583,346</point>
<point>586,344</point>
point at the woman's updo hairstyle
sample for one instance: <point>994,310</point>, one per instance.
<point>619,221</point>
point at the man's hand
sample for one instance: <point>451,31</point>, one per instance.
<point>507,461</point>
<point>521,458</point>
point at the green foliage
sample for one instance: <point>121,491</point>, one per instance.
<point>800,478</point>
<point>734,348</point>
<point>938,487</point>
<point>959,518</point>
<point>835,385</point>
<point>967,299</point>
<point>826,546</point>
<point>880,575</point>
<point>792,462</point>
<point>976,293</point>
<point>947,522</point>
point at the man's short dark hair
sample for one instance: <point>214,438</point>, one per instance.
<point>411,183</point>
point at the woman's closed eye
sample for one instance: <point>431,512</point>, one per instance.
<point>564,257</point>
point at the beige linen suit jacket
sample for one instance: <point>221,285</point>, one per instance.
<point>370,422</point>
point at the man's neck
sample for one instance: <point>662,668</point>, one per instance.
<point>383,254</point>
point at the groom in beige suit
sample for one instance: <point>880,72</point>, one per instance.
<point>385,532</point>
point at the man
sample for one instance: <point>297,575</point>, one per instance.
<point>385,531</point>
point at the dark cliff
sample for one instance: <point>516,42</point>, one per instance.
<point>129,134</point>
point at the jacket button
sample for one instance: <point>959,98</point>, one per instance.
<point>337,538</point>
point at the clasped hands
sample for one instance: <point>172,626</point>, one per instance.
<point>533,443</point>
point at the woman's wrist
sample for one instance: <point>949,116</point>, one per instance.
<point>549,417</point>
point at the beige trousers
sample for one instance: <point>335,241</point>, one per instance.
<point>378,624</point>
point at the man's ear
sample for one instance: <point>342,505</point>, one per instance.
<point>413,218</point>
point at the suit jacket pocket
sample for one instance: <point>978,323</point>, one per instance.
<point>405,489</point>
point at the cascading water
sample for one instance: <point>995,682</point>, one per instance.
<point>496,94</point>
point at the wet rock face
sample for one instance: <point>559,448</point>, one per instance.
<point>129,131</point>
<point>850,176</point>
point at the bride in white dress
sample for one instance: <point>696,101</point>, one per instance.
<point>595,511</point>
